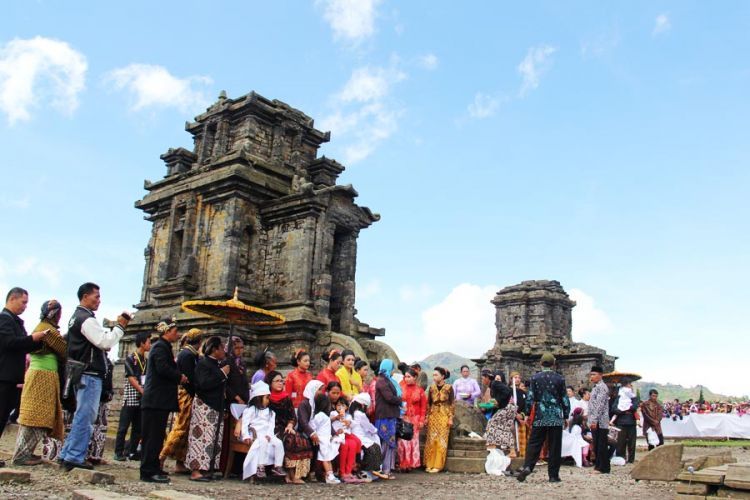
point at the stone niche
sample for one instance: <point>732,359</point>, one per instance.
<point>253,206</point>
<point>532,318</point>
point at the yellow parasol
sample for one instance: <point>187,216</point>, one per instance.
<point>233,311</point>
<point>616,377</point>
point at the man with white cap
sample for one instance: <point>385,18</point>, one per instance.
<point>258,423</point>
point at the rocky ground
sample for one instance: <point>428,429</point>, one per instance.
<point>47,481</point>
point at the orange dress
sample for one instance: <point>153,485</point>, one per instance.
<point>296,380</point>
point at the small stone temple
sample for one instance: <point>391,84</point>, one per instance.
<point>253,206</point>
<point>534,317</point>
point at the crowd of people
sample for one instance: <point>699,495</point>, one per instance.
<point>351,422</point>
<point>677,410</point>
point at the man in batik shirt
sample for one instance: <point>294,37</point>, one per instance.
<point>548,401</point>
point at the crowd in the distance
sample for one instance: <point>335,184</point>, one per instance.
<point>677,410</point>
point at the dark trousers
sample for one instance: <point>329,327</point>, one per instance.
<point>8,401</point>
<point>601,448</point>
<point>626,442</point>
<point>154,428</point>
<point>661,442</point>
<point>129,416</point>
<point>553,435</point>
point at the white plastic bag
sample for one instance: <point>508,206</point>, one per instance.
<point>615,460</point>
<point>496,462</point>
<point>652,437</point>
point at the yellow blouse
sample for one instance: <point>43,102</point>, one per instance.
<point>351,383</point>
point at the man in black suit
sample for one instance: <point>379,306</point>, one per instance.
<point>14,344</point>
<point>159,400</point>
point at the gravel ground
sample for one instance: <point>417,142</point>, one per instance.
<point>51,483</point>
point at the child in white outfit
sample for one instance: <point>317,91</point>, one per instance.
<point>257,429</point>
<point>327,448</point>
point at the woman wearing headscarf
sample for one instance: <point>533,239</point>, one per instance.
<point>500,430</point>
<point>306,410</point>
<point>41,412</point>
<point>208,410</point>
<point>297,446</point>
<point>177,441</point>
<point>351,382</point>
<point>387,410</point>
<point>297,379</point>
<point>440,408</point>
<point>416,409</point>
<point>265,361</point>
<point>238,386</point>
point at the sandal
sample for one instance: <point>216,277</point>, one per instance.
<point>201,479</point>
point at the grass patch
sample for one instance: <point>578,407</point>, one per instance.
<point>715,443</point>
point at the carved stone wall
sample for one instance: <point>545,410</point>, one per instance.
<point>253,207</point>
<point>535,317</point>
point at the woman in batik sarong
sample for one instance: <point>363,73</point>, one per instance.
<point>207,416</point>
<point>41,414</point>
<point>440,408</point>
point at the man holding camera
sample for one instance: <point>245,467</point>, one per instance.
<point>87,342</point>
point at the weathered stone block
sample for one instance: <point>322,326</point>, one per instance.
<point>713,475</point>
<point>710,460</point>
<point>689,497</point>
<point>14,476</point>
<point>175,495</point>
<point>660,464</point>
<point>467,419</point>
<point>101,495</point>
<point>725,492</point>
<point>92,476</point>
<point>466,465</point>
<point>692,488</point>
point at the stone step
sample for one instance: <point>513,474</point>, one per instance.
<point>467,444</point>
<point>693,488</point>
<point>101,495</point>
<point>468,453</point>
<point>475,465</point>
<point>713,475</point>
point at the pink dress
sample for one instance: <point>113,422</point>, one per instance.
<point>416,408</point>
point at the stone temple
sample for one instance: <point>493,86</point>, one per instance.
<point>534,317</point>
<point>253,206</point>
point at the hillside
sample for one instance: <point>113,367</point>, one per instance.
<point>669,392</point>
<point>452,362</point>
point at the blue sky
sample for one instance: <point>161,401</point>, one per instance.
<point>604,146</point>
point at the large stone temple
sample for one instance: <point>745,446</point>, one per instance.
<point>252,206</point>
<point>534,317</point>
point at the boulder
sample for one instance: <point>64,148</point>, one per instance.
<point>467,419</point>
<point>663,463</point>
<point>92,476</point>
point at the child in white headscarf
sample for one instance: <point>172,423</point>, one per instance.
<point>372,457</point>
<point>328,449</point>
<point>257,429</point>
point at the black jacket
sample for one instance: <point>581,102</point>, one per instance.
<point>209,383</point>
<point>186,362</point>
<point>238,385</point>
<point>79,347</point>
<point>387,401</point>
<point>14,344</point>
<point>627,417</point>
<point>162,377</point>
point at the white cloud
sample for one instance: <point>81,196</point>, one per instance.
<point>463,322</point>
<point>588,320</point>
<point>154,86</point>
<point>533,66</point>
<point>351,20</point>
<point>363,115</point>
<point>661,24</point>
<point>369,290</point>
<point>484,105</point>
<point>19,202</point>
<point>36,70</point>
<point>429,61</point>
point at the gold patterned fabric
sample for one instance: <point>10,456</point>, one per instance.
<point>176,445</point>
<point>40,398</point>
<point>439,414</point>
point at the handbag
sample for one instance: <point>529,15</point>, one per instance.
<point>613,434</point>
<point>73,372</point>
<point>404,430</point>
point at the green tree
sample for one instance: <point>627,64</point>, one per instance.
<point>700,396</point>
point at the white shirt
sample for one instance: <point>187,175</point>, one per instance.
<point>100,336</point>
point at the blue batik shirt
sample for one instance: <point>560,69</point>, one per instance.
<point>547,391</point>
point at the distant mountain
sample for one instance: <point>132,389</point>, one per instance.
<point>670,392</point>
<point>452,362</point>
